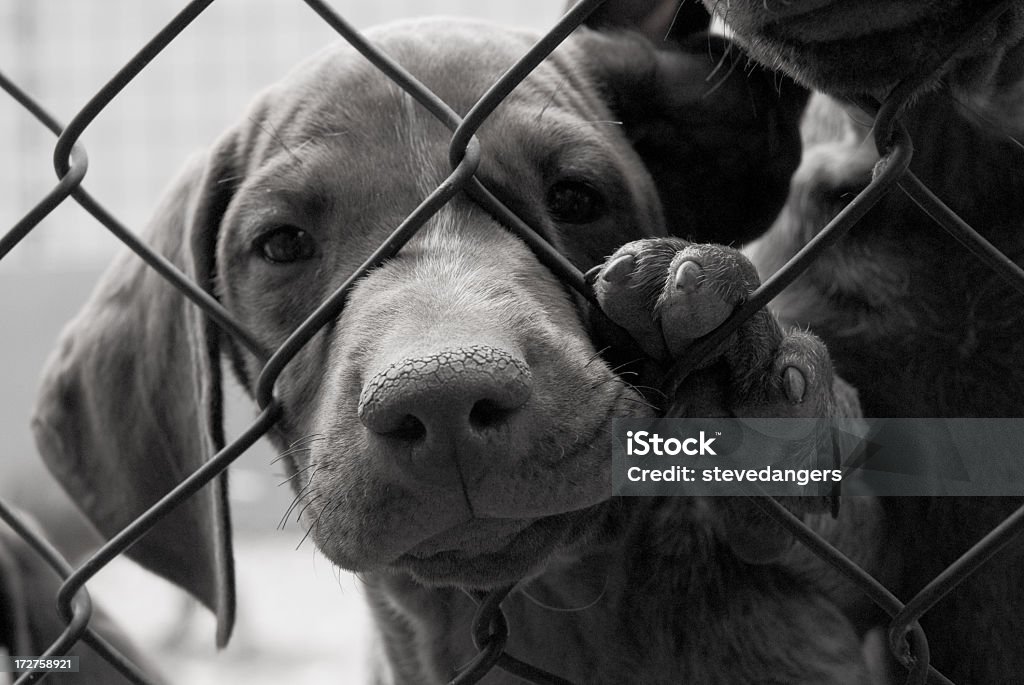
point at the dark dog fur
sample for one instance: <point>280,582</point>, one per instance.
<point>919,326</point>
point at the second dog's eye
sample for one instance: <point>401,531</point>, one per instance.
<point>575,202</point>
<point>286,244</point>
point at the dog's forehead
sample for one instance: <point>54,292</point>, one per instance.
<point>457,59</point>
<point>337,111</point>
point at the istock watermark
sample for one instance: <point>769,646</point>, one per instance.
<point>642,443</point>
<point>818,457</point>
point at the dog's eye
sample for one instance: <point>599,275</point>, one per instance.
<point>575,202</point>
<point>286,244</point>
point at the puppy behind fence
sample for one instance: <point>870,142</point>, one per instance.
<point>490,629</point>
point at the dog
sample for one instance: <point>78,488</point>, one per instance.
<point>916,335</point>
<point>449,431</point>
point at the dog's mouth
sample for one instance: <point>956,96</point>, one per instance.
<point>485,553</point>
<point>499,519</point>
<point>482,536</point>
<point>853,46</point>
<point>511,532</point>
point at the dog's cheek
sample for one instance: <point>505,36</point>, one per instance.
<point>362,515</point>
<point>271,302</point>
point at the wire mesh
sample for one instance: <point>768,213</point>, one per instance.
<point>489,629</point>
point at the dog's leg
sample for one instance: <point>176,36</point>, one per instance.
<point>669,292</point>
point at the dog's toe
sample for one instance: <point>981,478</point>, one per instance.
<point>628,286</point>
<point>703,286</point>
<point>803,378</point>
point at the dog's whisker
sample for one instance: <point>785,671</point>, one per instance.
<point>617,374</point>
<point>551,98</point>
<point>291,449</point>
<point>597,355</point>
<point>626,363</point>
<point>283,523</point>
<point>329,513</point>
<point>568,610</point>
<point>641,402</point>
<point>639,399</point>
<point>732,67</point>
<point>672,24</point>
<point>320,516</point>
<point>288,453</point>
<point>297,473</point>
<point>299,445</point>
<point>312,437</point>
<point>647,389</point>
<point>308,530</point>
<point>603,382</point>
<point>311,500</point>
<point>615,379</point>
<point>719,63</point>
<point>638,389</point>
<point>303,144</point>
<point>988,121</point>
<point>298,498</point>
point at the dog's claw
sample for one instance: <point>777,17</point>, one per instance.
<point>795,384</point>
<point>687,276</point>
<point>619,269</point>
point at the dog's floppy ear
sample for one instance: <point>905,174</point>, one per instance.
<point>719,134</point>
<point>130,400</point>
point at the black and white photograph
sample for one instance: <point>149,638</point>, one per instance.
<point>440,342</point>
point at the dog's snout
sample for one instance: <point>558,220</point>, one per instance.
<point>448,398</point>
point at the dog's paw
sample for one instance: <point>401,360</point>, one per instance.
<point>669,292</point>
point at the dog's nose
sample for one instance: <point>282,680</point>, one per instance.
<point>449,401</point>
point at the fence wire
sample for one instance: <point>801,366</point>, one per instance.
<point>489,629</point>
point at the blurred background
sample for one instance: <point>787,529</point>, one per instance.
<point>300,619</point>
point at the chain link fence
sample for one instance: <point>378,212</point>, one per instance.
<point>489,629</point>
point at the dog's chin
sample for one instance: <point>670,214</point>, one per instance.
<point>482,554</point>
<point>854,46</point>
<point>826,66</point>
